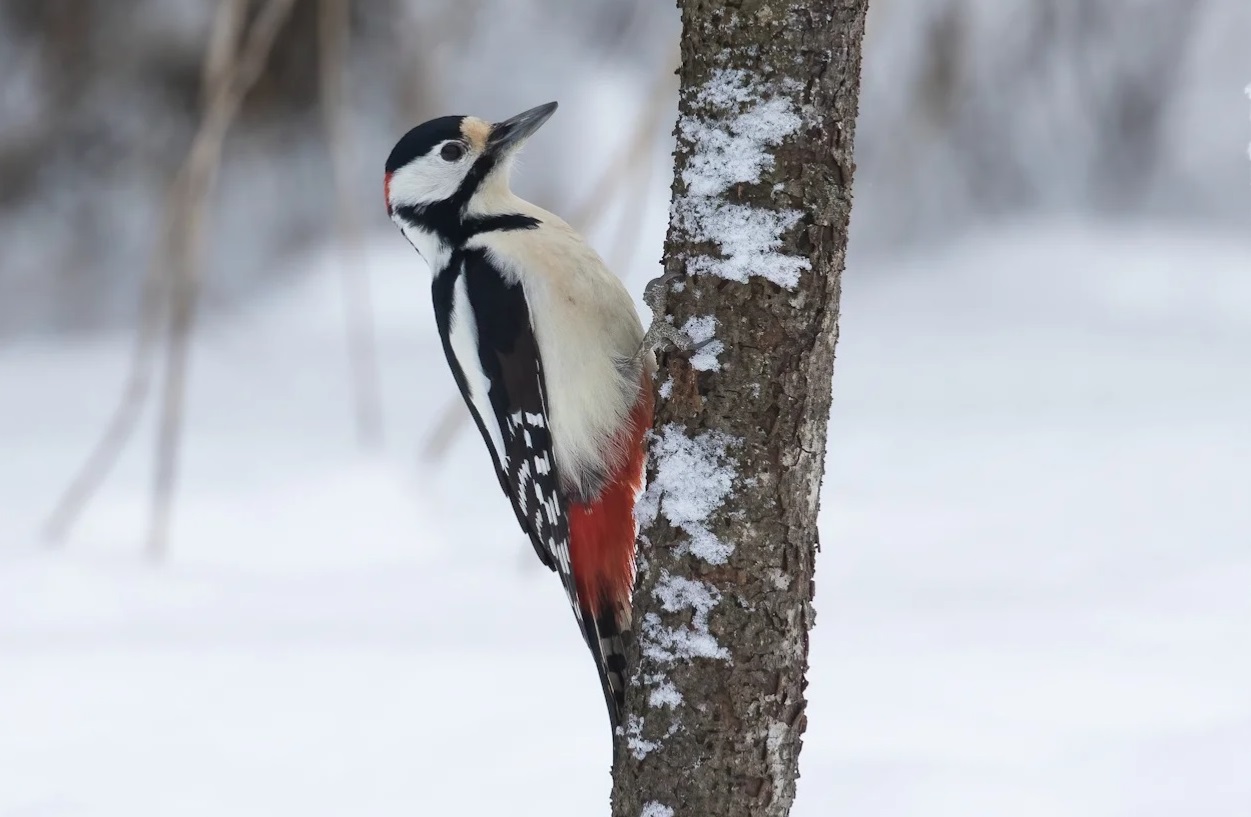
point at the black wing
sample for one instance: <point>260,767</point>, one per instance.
<point>485,326</point>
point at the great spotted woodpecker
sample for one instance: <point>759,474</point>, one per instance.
<point>549,354</point>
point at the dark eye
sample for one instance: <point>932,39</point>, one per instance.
<point>452,151</point>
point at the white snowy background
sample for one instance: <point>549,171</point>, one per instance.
<point>1034,590</point>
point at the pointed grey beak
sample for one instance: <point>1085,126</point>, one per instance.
<point>512,132</point>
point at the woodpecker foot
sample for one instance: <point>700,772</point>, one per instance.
<point>656,293</point>
<point>663,336</point>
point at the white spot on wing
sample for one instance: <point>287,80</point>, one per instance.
<point>523,477</point>
<point>429,246</point>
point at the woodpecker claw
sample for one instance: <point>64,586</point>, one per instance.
<point>656,293</point>
<point>662,335</point>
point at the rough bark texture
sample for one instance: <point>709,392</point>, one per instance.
<point>715,711</point>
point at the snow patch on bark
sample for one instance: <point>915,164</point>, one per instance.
<point>734,150</point>
<point>654,809</point>
<point>731,136</point>
<point>638,746</point>
<point>666,694</point>
<point>684,642</point>
<point>749,238</point>
<point>671,644</point>
<point>693,479</point>
<point>701,329</point>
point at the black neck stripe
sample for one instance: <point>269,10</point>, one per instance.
<point>447,220</point>
<point>456,231</point>
<point>505,222</point>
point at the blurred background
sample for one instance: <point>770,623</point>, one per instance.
<point>1034,592</point>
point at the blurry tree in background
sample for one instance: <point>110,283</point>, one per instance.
<point>239,49</point>
<point>757,243</point>
<point>106,98</point>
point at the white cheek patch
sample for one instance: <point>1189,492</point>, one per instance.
<point>427,180</point>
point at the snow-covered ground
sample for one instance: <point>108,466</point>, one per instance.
<point>1034,592</point>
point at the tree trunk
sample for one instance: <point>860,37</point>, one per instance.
<point>755,253</point>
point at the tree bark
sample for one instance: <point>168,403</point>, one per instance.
<point>754,258</point>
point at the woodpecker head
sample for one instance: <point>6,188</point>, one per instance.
<point>441,168</point>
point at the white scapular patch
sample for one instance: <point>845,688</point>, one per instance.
<point>428,245</point>
<point>464,342</point>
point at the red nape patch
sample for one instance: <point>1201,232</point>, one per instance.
<point>386,191</point>
<point>601,533</point>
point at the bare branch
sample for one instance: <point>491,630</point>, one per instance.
<point>153,306</point>
<point>191,192</point>
<point>223,45</point>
